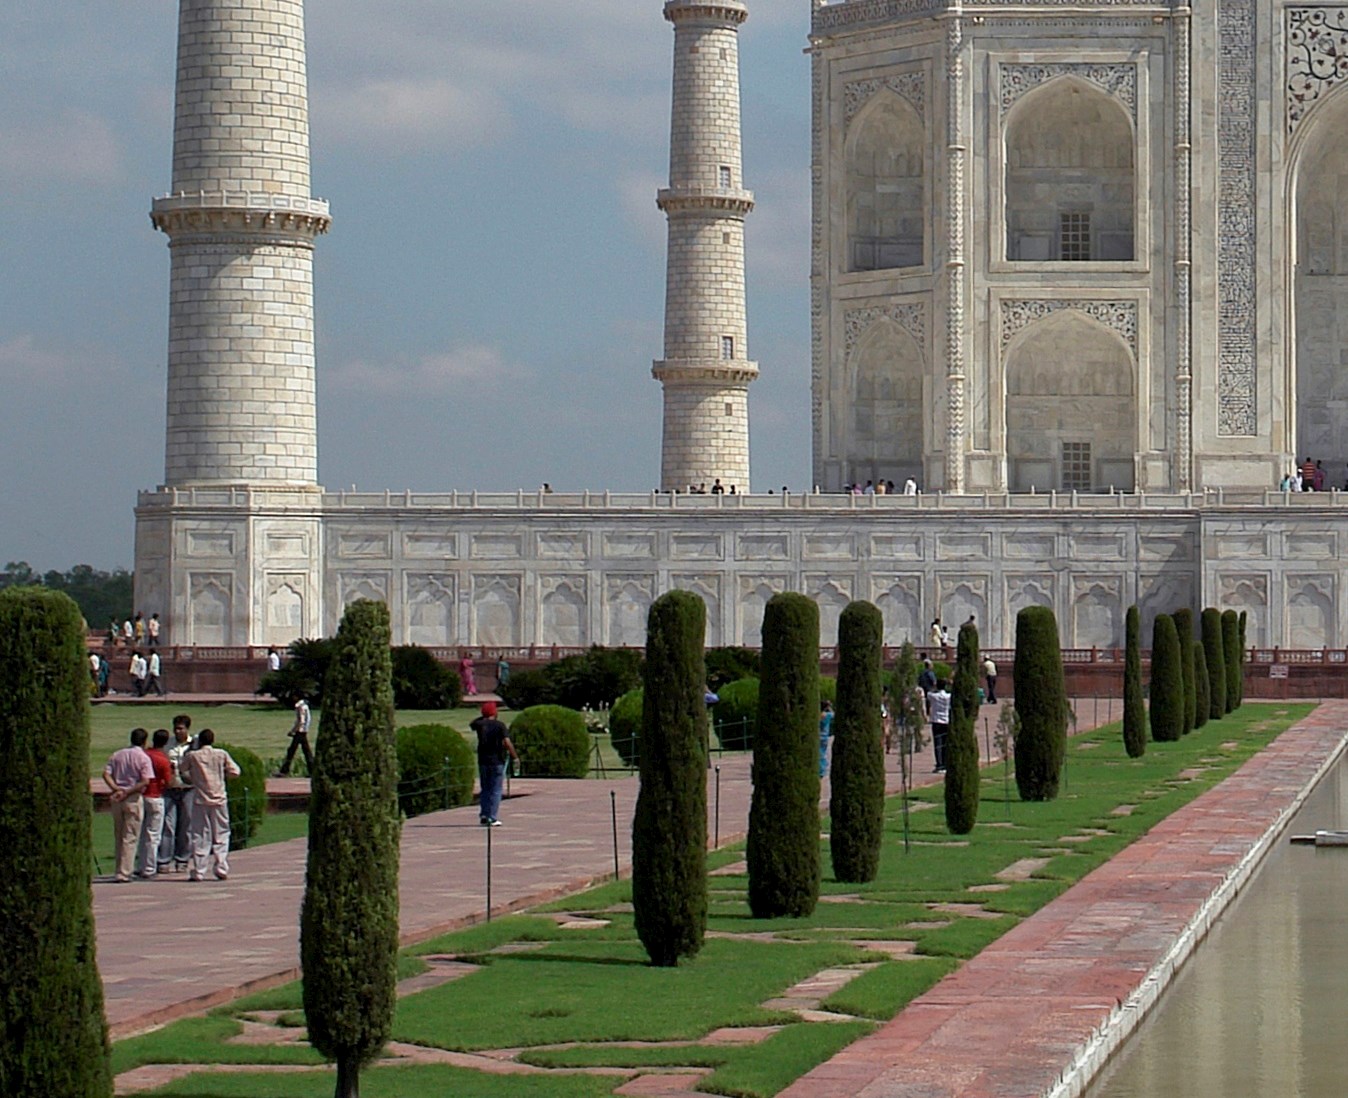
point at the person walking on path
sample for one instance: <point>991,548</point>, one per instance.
<point>127,774</point>
<point>207,769</point>
<point>175,845</point>
<point>938,713</point>
<point>493,744</point>
<point>467,676</point>
<point>299,738</point>
<point>153,685</point>
<point>152,631</point>
<point>926,680</point>
<point>825,734</point>
<point>990,676</point>
<point>152,826</point>
<point>138,669</point>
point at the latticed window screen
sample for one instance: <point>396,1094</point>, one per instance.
<point>1074,236</point>
<point>1076,466</point>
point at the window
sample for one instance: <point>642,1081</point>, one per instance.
<point>725,176</point>
<point>1074,236</point>
<point>729,409</point>
<point>727,347</point>
<point>1076,466</point>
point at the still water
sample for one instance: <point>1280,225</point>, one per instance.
<point>1261,1007</point>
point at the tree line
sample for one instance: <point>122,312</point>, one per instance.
<point>101,596</point>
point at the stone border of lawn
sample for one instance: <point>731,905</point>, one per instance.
<point>1040,1011</point>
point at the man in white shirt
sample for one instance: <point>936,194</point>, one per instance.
<point>938,713</point>
<point>299,738</point>
<point>138,670</point>
<point>175,847</point>
<point>152,683</point>
<point>207,769</point>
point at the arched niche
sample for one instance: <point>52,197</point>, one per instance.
<point>1069,175</point>
<point>1320,286</point>
<point>1071,412</point>
<point>886,186</point>
<point>884,407</point>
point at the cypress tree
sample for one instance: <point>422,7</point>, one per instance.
<point>1201,685</point>
<point>1231,652</point>
<point>783,845</point>
<point>669,829</point>
<point>1244,655</point>
<point>349,917</point>
<point>1134,708</point>
<point>1184,629</point>
<point>961,754</point>
<point>1215,655</point>
<point>857,791</point>
<point>55,1034</point>
<point>1041,704</point>
<point>1167,682</point>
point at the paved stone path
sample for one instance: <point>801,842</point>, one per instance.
<point>1034,1012</point>
<point>168,947</point>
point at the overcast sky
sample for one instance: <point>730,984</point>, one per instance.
<point>490,297</point>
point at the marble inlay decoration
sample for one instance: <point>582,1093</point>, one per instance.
<point>911,86</point>
<point>1120,316</point>
<point>911,316</point>
<point>1120,81</point>
<point>1317,57</point>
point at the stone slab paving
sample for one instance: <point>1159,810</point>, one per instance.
<point>1039,1010</point>
<point>168,947</point>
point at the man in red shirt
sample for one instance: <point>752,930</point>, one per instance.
<point>152,824</point>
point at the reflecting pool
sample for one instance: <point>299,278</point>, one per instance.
<point>1261,1007</point>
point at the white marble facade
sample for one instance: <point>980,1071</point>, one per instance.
<point>233,567</point>
<point>1095,245</point>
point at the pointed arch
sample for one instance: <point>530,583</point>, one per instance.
<point>1070,176</point>
<point>1071,406</point>
<point>884,429</point>
<point>886,185</point>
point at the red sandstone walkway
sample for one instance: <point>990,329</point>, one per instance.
<point>168,947</point>
<point>1032,1013</point>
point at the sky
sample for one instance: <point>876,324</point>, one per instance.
<point>489,299</point>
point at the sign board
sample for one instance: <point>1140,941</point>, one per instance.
<point>1277,671</point>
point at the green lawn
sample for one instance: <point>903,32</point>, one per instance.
<point>539,985</point>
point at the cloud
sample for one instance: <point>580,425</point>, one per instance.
<point>409,113</point>
<point>477,365</point>
<point>72,146</point>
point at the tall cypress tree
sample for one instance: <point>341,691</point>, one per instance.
<point>1167,681</point>
<point>783,845</point>
<point>349,918</point>
<point>1134,708</point>
<point>669,829</point>
<point>961,754</point>
<point>1041,704</point>
<point>857,790</point>
<point>1231,653</point>
<point>1201,686</point>
<point>1215,654</point>
<point>1244,655</point>
<point>1184,629</point>
<point>55,1036</point>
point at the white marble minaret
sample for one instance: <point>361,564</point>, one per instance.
<point>705,371</point>
<point>241,225</point>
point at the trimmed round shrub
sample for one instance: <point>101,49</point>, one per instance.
<point>1215,653</point>
<point>782,852</point>
<point>1134,708</point>
<point>247,795</point>
<point>624,726</point>
<point>552,742</point>
<point>857,791</point>
<point>1167,681</point>
<point>436,767</point>
<point>734,716</point>
<point>529,688</point>
<point>1041,704</point>
<point>420,681</point>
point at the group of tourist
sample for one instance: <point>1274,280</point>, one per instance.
<point>135,632</point>
<point>170,808</point>
<point>880,488</point>
<point>1309,476</point>
<point>145,672</point>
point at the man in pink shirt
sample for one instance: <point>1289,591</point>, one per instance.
<point>127,774</point>
<point>207,769</point>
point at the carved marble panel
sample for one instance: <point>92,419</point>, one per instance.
<point>1248,592</point>
<point>562,545</point>
<point>911,85</point>
<point>364,545</point>
<point>754,593</point>
<point>493,545</point>
<point>210,543</point>
<point>563,610</point>
<point>1097,612</point>
<point>829,546</point>
<point>1111,545</point>
<point>362,585</point>
<point>1242,545</point>
<point>281,544</point>
<point>1321,545</point>
<point>1176,548</point>
<point>964,546</point>
<point>1237,303</point>
<point>283,606</point>
<point>1119,316</point>
<point>708,587</point>
<point>496,602</point>
<point>910,315</point>
<point>696,546</point>
<point>1026,545</point>
<point>210,608</point>
<point>430,605</point>
<point>1027,590</point>
<point>908,546</point>
<point>627,602</point>
<point>1118,80</point>
<point>1310,602</point>
<point>957,598</point>
<point>1161,593</point>
<point>431,546</point>
<point>629,544</point>
<point>763,546</point>
<point>832,594</point>
<point>1317,57</point>
<point>899,599</point>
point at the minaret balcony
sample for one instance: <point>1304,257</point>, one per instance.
<point>732,371</point>
<point>726,201</point>
<point>241,212</point>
